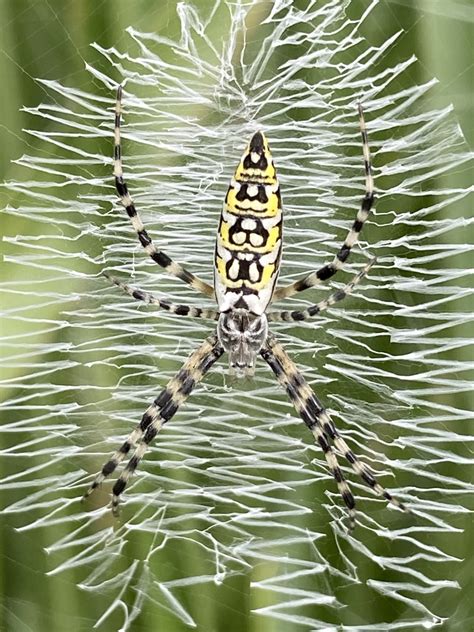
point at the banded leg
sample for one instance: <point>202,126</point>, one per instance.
<point>317,308</point>
<point>330,269</point>
<point>156,415</point>
<point>174,308</point>
<point>158,256</point>
<point>318,421</point>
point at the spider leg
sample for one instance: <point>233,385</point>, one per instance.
<point>330,269</point>
<point>157,414</point>
<point>158,256</point>
<point>318,421</point>
<point>174,308</point>
<point>317,308</point>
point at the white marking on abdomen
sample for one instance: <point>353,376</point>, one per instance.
<point>256,239</point>
<point>234,270</point>
<point>253,272</point>
<point>228,218</point>
<point>249,224</point>
<point>223,252</point>
<point>270,257</point>
<point>270,222</point>
<point>239,238</point>
<point>245,256</point>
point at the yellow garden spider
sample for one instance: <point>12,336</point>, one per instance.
<point>246,266</point>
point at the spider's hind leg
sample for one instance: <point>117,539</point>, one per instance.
<point>294,383</point>
<point>357,465</point>
<point>156,415</point>
<point>318,421</point>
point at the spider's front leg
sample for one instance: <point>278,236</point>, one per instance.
<point>158,256</point>
<point>330,269</point>
<point>156,415</point>
<point>318,421</point>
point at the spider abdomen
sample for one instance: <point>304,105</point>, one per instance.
<point>248,248</point>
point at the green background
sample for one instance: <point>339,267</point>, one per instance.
<point>51,40</point>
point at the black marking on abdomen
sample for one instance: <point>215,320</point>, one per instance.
<point>243,194</point>
<point>258,230</point>
<point>261,164</point>
<point>244,269</point>
<point>256,143</point>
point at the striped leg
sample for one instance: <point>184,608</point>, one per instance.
<point>158,256</point>
<point>317,308</point>
<point>318,421</point>
<point>156,415</point>
<point>330,269</point>
<point>174,308</point>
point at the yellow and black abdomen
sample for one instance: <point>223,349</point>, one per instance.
<point>248,248</point>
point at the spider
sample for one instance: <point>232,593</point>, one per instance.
<point>246,266</point>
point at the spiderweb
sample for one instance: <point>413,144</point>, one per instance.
<point>233,504</point>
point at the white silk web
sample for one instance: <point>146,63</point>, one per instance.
<point>233,491</point>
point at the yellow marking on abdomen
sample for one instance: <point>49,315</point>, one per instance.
<point>251,207</point>
<point>256,175</point>
<point>267,274</point>
<point>249,236</point>
<point>247,246</point>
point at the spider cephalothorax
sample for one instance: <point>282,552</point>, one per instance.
<point>242,334</point>
<point>246,267</point>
